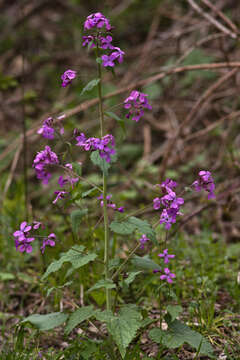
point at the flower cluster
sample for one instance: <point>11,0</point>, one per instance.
<point>135,103</point>
<point>168,275</point>
<point>170,202</point>
<point>42,160</point>
<point>105,145</point>
<point>23,238</point>
<point>67,77</point>
<point>47,129</point>
<point>205,182</point>
<point>110,204</point>
<point>98,21</point>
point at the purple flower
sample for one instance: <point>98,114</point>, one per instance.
<point>110,204</point>
<point>23,232</point>
<point>206,183</point>
<point>97,20</point>
<point>36,225</point>
<point>156,203</point>
<point>117,54</point>
<point>142,241</point>
<point>168,184</point>
<point>107,61</point>
<point>135,103</point>
<point>166,256</point>
<point>42,160</point>
<point>47,129</point>
<point>50,240</point>
<point>105,42</point>
<point>168,276</point>
<point>60,195</point>
<point>22,241</point>
<point>88,40</point>
<point>24,245</point>
<point>67,77</point>
<point>105,145</point>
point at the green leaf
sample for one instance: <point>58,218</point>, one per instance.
<point>46,322</point>
<point>97,160</point>
<point>174,311</point>
<point>144,263</point>
<point>76,217</point>
<point>120,121</point>
<point>91,192</point>
<point>178,334</point>
<point>6,276</point>
<point>113,115</point>
<point>77,168</point>
<point>104,283</point>
<point>123,227</point>
<point>124,326</point>
<point>90,86</point>
<point>131,277</point>
<point>79,316</point>
<point>104,316</point>
<point>128,226</point>
<point>74,256</point>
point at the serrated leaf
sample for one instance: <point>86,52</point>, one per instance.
<point>123,227</point>
<point>124,326</point>
<point>76,217</point>
<point>79,316</point>
<point>46,322</point>
<point>174,311</point>
<point>103,283</point>
<point>144,263</point>
<point>128,226</point>
<point>102,163</point>
<point>91,191</point>
<point>179,333</point>
<point>74,256</point>
<point>90,86</point>
<point>131,277</point>
<point>103,316</point>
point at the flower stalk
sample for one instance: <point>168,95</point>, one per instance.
<point>105,212</point>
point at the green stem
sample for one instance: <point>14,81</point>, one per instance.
<point>125,261</point>
<point>105,213</point>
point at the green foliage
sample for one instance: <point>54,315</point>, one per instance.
<point>123,327</point>
<point>103,283</point>
<point>101,163</point>
<point>75,256</point>
<point>79,316</point>
<point>90,86</point>
<point>46,322</point>
<point>76,218</point>
<point>174,311</point>
<point>128,226</point>
<point>131,277</point>
<point>177,334</point>
<point>144,263</point>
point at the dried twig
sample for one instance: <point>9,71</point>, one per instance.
<point>221,15</point>
<point>213,21</point>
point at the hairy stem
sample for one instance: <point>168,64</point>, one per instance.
<point>105,213</point>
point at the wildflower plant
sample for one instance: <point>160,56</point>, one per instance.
<point>102,150</point>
